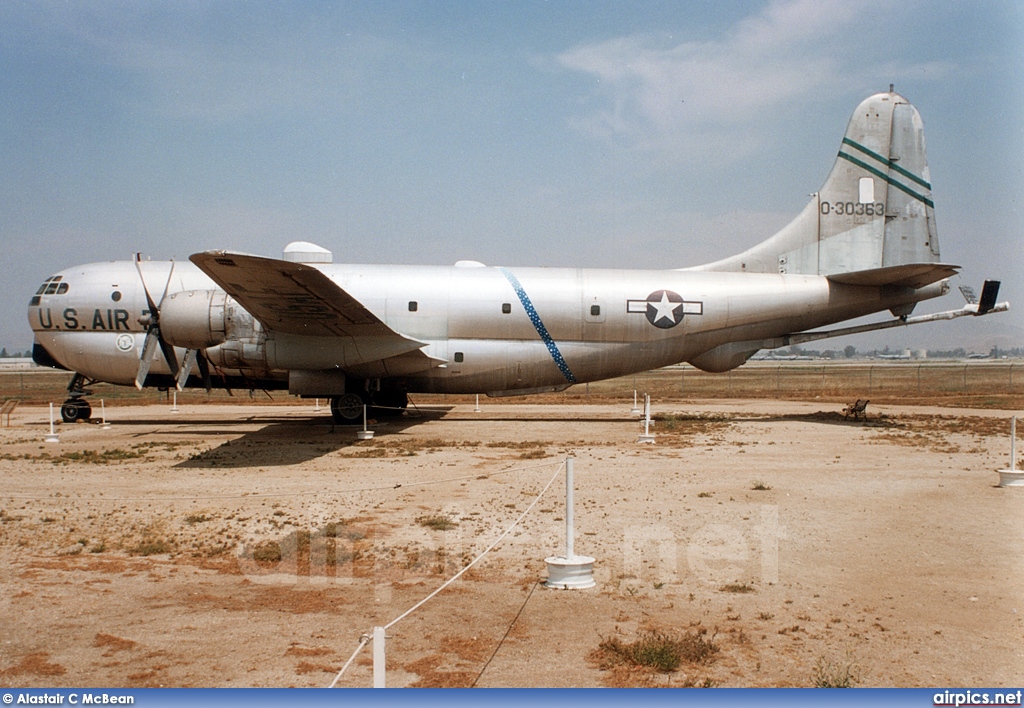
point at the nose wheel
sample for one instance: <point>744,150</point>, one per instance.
<point>74,410</point>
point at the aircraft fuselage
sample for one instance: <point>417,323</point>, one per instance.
<point>483,329</point>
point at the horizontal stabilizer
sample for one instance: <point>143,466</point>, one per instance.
<point>989,293</point>
<point>908,275</point>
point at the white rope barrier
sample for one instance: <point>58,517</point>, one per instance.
<point>479,557</point>
<point>469,565</point>
<point>362,643</point>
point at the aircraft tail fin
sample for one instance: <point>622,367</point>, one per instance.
<point>874,212</point>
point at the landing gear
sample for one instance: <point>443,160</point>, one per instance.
<point>76,408</point>
<point>73,410</point>
<point>347,409</point>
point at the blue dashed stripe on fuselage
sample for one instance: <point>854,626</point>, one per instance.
<point>531,312</point>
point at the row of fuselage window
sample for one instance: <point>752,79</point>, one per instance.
<point>506,308</point>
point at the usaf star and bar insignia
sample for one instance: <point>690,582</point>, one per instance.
<point>664,309</point>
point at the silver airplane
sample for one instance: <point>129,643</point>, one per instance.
<point>371,334</point>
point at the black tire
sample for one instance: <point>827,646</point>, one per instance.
<point>74,410</point>
<point>389,404</point>
<point>347,409</point>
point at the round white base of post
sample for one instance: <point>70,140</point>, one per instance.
<point>1011,478</point>
<point>364,434</point>
<point>575,573</point>
<point>646,438</point>
<point>51,438</point>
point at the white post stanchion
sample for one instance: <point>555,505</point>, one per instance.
<point>476,408</point>
<point>647,436</point>
<point>103,415</point>
<point>364,434</point>
<point>570,542</point>
<point>378,658</point>
<point>635,410</point>
<point>1012,477</point>
<point>316,405</point>
<point>51,437</point>
<point>570,572</point>
<point>174,405</point>
<point>1013,443</point>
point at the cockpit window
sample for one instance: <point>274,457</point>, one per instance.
<point>53,285</point>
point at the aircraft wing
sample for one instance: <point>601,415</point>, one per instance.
<point>292,298</point>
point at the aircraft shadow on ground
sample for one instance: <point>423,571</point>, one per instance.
<point>822,417</point>
<point>512,418</point>
<point>289,441</point>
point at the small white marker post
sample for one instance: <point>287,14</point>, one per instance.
<point>570,572</point>
<point>476,408</point>
<point>635,410</point>
<point>1012,477</point>
<point>378,658</point>
<point>174,405</point>
<point>316,405</point>
<point>103,415</point>
<point>52,435</point>
<point>647,436</point>
<point>365,434</point>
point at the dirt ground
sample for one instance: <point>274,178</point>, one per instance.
<point>253,546</point>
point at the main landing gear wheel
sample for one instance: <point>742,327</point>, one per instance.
<point>347,409</point>
<point>74,410</point>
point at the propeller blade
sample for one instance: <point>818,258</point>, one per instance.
<point>186,368</point>
<point>153,337</point>
<point>204,371</point>
<point>167,285</point>
<point>146,359</point>
<point>168,350</point>
<point>149,298</point>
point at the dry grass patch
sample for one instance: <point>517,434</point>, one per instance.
<point>659,651</point>
<point>151,547</point>
<point>832,673</point>
<point>437,522</point>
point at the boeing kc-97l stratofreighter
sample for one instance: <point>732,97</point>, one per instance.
<point>371,334</point>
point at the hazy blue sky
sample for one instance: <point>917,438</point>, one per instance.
<point>598,134</point>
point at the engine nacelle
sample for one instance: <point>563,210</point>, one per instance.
<point>725,357</point>
<point>194,319</point>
